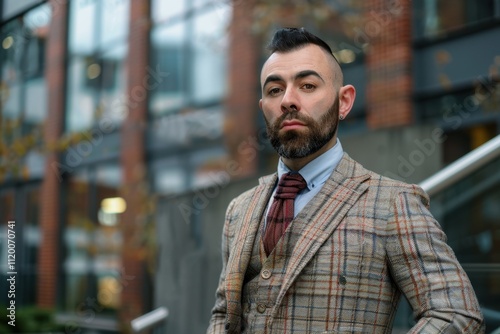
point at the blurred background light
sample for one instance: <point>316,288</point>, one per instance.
<point>93,71</point>
<point>7,42</point>
<point>345,56</point>
<point>113,205</point>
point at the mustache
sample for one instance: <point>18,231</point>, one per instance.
<point>290,116</point>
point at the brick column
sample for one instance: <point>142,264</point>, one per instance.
<point>243,87</point>
<point>55,73</point>
<point>387,29</point>
<point>133,297</point>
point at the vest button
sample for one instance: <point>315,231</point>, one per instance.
<point>265,274</point>
<point>261,308</point>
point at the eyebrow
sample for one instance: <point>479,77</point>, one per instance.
<point>300,75</point>
<point>306,73</point>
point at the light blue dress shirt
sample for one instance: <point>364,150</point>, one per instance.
<point>315,173</point>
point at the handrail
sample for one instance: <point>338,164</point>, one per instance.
<point>149,319</point>
<point>463,167</point>
<point>98,323</point>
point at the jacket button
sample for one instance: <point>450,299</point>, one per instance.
<point>266,274</point>
<point>261,308</point>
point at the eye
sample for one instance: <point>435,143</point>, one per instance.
<point>308,86</point>
<point>274,91</point>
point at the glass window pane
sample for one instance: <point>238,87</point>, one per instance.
<point>451,14</point>
<point>209,47</point>
<point>32,238</point>
<point>185,129</point>
<point>169,176</point>
<point>107,236</point>
<point>98,49</point>
<point>82,27</point>
<point>168,55</point>
<point>113,77</point>
<point>81,104</point>
<point>12,108</point>
<point>114,18</point>
<point>77,241</point>
<point>434,17</point>
<point>162,10</point>
<point>36,24</point>
<point>23,87</point>
<point>453,108</point>
<point>93,238</point>
<point>36,105</point>
<point>11,79</point>
<point>109,176</point>
<point>13,41</point>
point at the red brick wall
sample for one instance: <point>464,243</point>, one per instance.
<point>134,189</point>
<point>48,256</point>
<point>387,30</point>
<point>243,86</point>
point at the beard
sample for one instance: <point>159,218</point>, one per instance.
<point>294,144</point>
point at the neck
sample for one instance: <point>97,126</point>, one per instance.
<point>298,163</point>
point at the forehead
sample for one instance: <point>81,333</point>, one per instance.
<point>310,57</point>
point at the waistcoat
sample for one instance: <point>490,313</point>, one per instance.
<point>263,281</point>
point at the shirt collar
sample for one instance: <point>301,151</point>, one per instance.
<point>318,170</point>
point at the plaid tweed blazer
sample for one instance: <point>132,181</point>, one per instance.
<point>357,245</point>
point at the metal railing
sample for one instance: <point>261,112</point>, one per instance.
<point>463,167</point>
<point>149,320</point>
<point>454,173</point>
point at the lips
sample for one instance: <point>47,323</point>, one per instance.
<point>292,124</point>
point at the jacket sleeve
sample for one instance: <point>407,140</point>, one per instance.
<point>218,319</point>
<point>427,271</point>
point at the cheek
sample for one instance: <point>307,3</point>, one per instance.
<point>269,111</point>
<point>320,108</point>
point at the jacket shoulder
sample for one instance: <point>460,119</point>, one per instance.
<point>387,185</point>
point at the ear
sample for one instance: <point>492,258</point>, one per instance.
<point>260,104</point>
<point>347,95</point>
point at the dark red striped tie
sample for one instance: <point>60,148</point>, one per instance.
<point>281,212</point>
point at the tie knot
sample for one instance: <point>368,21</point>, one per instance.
<point>289,185</point>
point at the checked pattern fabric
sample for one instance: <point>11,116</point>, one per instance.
<point>282,209</point>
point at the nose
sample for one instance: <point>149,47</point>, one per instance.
<point>290,101</point>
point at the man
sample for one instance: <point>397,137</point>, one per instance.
<point>331,247</point>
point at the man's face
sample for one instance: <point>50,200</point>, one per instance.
<point>300,102</point>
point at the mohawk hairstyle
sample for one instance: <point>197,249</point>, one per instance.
<point>289,39</point>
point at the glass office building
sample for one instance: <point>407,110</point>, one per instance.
<point>126,126</point>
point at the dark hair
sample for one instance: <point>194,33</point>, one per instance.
<point>289,39</point>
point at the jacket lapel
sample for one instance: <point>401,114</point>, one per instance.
<point>247,228</point>
<point>321,216</point>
